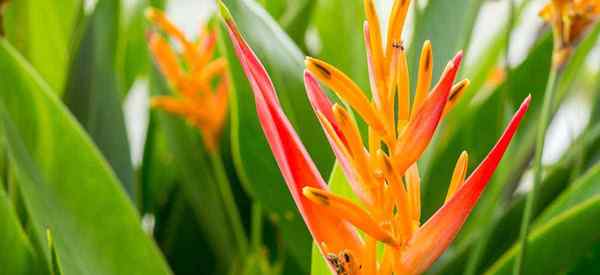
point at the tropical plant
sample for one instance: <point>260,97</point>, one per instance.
<point>132,145</point>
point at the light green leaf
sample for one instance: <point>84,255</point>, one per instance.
<point>66,184</point>
<point>586,187</point>
<point>448,24</point>
<point>16,253</point>
<point>92,92</point>
<point>342,43</point>
<point>45,32</point>
<point>54,263</point>
<point>558,243</point>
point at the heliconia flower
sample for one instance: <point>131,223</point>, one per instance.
<point>384,175</point>
<point>192,73</point>
<point>569,19</point>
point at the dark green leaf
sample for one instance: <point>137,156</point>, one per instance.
<point>197,181</point>
<point>92,92</point>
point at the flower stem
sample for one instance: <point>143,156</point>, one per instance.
<point>544,120</point>
<point>229,202</point>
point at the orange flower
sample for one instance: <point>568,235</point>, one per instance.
<point>192,72</point>
<point>569,19</point>
<point>384,175</point>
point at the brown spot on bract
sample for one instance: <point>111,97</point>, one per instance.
<point>457,91</point>
<point>324,71</point>
<point>322,198</point>
<point>428,61</point>
<point>398,45</point>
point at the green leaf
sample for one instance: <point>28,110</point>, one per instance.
<point>54,264</point>
<point>342,43</point>
<point>158,173</point>
<point>254,162</point>
<point>16,253</point>
<point>448,24</point>
<point>44,32</point>
<point>296,19</point>
<point>92,92</point>
<point>318,265</point>
<point>586,187</point>
<point>558,243</point>
<point>66,184</point>
<point>133,57</point>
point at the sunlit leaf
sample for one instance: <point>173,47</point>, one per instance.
<point>16,252</point>
<point>45,33</point>
<point>95,227</point>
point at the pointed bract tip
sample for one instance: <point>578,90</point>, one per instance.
<point>458,58</point>
<point>308,60</point>
<point>224,11</point>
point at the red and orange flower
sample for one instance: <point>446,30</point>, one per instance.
<point>192,73</point>
<point>384,175</point>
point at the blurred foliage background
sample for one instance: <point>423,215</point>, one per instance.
<point>95,182</point>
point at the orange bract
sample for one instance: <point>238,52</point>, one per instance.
<point>569,19</point>
<point>192,73</point>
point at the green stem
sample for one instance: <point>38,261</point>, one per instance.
<point>229,202</point>
<point>519,266</point>
<point>256,223</point>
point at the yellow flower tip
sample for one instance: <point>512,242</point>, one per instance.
<point>341,115</point>
<point>151,13</point>
<point>315,195</point>
<point>318,67</point>
<point>156,102</point>
<point>224,11</point>
<point>458,89</point>
<point>427,56</point>
<point>459,174</point>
